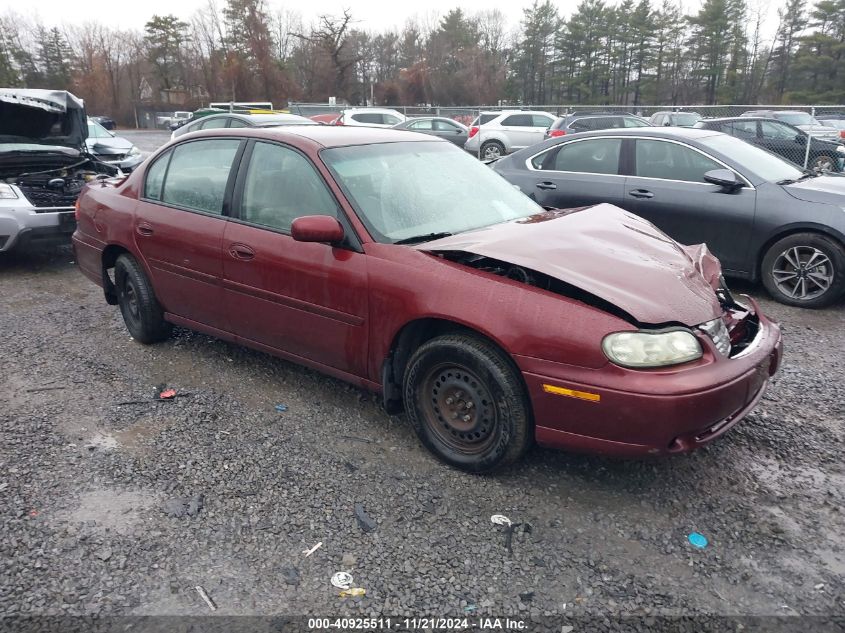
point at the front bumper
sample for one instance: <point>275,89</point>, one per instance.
<point>637,413</point>
<point>25,227</point>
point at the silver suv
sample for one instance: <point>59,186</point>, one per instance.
<point>495,134</point>
<point>44,164</point>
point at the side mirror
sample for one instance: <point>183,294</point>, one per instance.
<point>724,178</point>
<point>667,124</point>
<point>316,228</point>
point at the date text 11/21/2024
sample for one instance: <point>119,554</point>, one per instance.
<point>411,624</point>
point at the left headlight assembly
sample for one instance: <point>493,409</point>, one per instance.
<point>639,350</point>
<point>7,193</point>
<point>134,151</point>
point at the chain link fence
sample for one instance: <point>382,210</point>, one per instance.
<point>810,136</point>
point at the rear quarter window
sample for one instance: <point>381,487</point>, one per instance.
<point>155,177</point>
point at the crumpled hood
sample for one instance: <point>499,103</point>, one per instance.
<point>824,189</point>
<point>108,146</point>
<point>609,253</point>
<point>52,117</point>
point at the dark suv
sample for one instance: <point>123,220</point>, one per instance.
<point>782,138</point>
<point>590,121</point>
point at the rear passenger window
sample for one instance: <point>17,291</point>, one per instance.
<point>519,120</point>
<point>155,177</point>
<point>214,123</point>
<point>421,125</point>
<point>599,156</point>
<point>281,185</point>
<point>238,123</point>
<point>743,129</point>
<point>390,119</point>
<point>368,117</point>
<point>198,173</point>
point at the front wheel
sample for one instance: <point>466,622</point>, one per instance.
<point>141,311</point>
<point>823,163</point>
<point>467,403</point>
<point>805,269</point>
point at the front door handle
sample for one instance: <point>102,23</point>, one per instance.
<point>640,193</point>
<point>546,185</point>
<point>241,251</point>
<point>144,229</point>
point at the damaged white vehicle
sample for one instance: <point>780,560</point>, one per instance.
<point>44,165</point>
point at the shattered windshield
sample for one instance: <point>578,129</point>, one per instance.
<point>402,190</point>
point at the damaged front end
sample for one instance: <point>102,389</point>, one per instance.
<point>621,264</point>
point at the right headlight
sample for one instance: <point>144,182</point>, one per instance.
<point>651,349</point>
<point>6,192</point>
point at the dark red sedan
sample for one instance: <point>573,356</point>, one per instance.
<point>399,263</point>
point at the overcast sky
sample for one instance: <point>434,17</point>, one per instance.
<point>372,15</point>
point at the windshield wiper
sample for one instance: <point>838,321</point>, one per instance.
<point>805,176</point>
<point>428,237</point>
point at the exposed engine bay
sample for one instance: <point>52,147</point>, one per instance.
<point>54,181</point>
<point>533,278</point>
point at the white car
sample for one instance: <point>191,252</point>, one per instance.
<point>495,134</point>
<point>370,117</point>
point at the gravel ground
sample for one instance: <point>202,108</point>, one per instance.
<point>115,504</point>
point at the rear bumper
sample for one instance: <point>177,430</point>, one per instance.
<point>666,413</point>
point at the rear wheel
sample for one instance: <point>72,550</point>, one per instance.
<point>141,311</point>
<point>467,403</point>
<point>805,269</point>
<point>492,149</point>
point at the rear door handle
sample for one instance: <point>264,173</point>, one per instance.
<point>144,229</point>
<point>640,193</point>
<point>546,185</point>
<point>241,251</point>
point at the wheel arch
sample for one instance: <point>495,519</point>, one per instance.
<point>408,338</point>
<point>109,257</point>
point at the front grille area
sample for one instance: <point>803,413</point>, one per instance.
<point>46,197</point>
<point>718,333</point>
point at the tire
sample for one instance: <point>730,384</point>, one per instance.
<point>459,374</point>
<point>141,311</point>
<point>492,149</point>
<point>823,162</point>
<point>790,280</point>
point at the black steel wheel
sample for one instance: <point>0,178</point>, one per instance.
<point>141,311</point>
<point>467,403</point>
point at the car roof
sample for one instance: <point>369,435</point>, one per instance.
<point>324,136</point>
<point>654,131</point>
<point>727,119</point>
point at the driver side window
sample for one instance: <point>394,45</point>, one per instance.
<point>282,185</point>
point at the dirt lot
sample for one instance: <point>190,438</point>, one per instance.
<point>90,462</point>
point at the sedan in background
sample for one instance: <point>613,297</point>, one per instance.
<point>784,139</point>
<point>106,121</point>
<point>762,216</point>
<point>402,265</point>
<point>675,119</point>
<point>114,150</point>
<point>369,117</point>
<point>441,127</point>
<point>235,120</point>
<point>575,123</point>
<point>802,120</point>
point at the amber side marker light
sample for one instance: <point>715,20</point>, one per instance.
<point>572,393</point>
